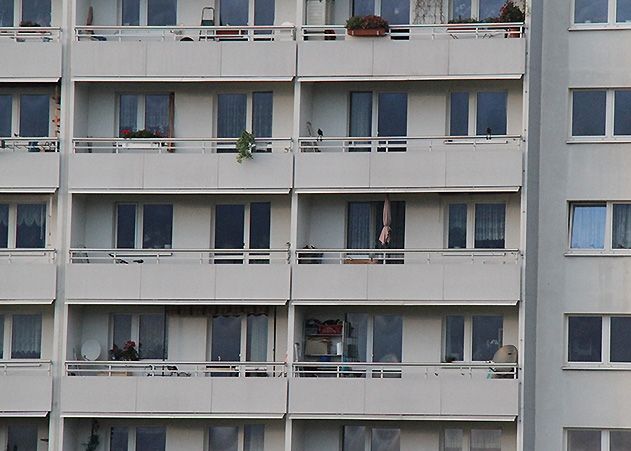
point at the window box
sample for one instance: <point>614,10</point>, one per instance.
<point>375,32</point>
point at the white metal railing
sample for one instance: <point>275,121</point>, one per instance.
<point>27,255</point>
<point>401,143</point>
<point>175,145</point>
<point>174,256</point>
<point>424,31</point>
<point>34,144</point>
<point>19,367</point>
<point>175,368</point>
<point>488,370</point>
<point>400,256</point>
<point>30,34</point>
<point>183,33</point>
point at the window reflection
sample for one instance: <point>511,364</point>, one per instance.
<point>36,12</point>
<point>588,113</point>
<point>161,12</point>
<point>233,12</point>
<point>488,334</point>
<point>387,338</point>
<point>34,115</point>
<point>224,438</point>
<point>157,229</point>
<point>590,11</point>
<point>491,113</point>
<point>150,439</point>
<point>585,337</point>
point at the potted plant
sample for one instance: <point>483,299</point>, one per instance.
<point>127,354</point>
<point>146,134</point>
<point>128,134</point>
<point>511,13</point>
<point>366,26</point>
<point>245,146</point>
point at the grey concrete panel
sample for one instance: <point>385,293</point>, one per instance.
<point>31,60</point>
<point>253,395</point>
<point>103,281</point>
<point>253,281</point>
<point>487,57</point>
<point>26,393</point>
<point>28,281</point>
<point>29,170</point>
<point>461,395</point>
<point>313,395</point>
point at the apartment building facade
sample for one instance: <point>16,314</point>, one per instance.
<point>346,288</point>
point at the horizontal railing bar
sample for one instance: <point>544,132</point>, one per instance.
<point>33,144</point>
<point>184,27</point>
<point>179,251</point>
<point>409,251</point>
<point>407,364</point>
<point>143,363</point>
<point>175,140</point>
<point>409,138</point>
<point>499,25</point>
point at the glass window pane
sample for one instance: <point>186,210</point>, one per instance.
<point>4,225</point>
<point>128,114</point>
<point>590,11</point>
<point>588,227</point>
<point>1,336</point>
<point>6,13</point>
<point>490,226</point>
<point>262,113</point>
<point>490,9</point>
<point>31,226</point>
<point>157,226</point>
<point>620,340</point>
<point>37,12</point>
<point>253,437</point>
<point>620,440</point>
<point>357,342</point>
<point>363,7</point>
<point>488,332</point>
<point>229,226</point>
<point>131,13</point>
<point>34,115</point>
<point>387,338</point>
<point>157,114</point>
<point>151,337</point>
<point>585,338</point>
<point>358,234</point>
<point>361,114</point>
<point>26,337</point>
<point>588,112</point>
<point>454,338</point>
<point>583,441</point>
<point>623,10</point>
<point>486,440</point>
<point>354,438</point>
<point>151,439</point>
<point>226,338</point>
<point>385,439</point>
<point>126,226</point>
<point>119,438</point>
<point>231,114</point>
<point>460,10</point>
<point>264,12</point>
<point>161,12</point>
<point>233,12</point>
<point>121,330</point>
<point>6,114</point>
<point>453,440</point>
<point>396,12</point>
<point>224,438</point>
<point>22,437</point>
<point>260,225</point>
<point>622,114</point>
<point>459,114</point>
<point>256,346</point>
<point>393,114</point>
<point>457,226</point>
<point>491,113</point>
<point>621,226</point>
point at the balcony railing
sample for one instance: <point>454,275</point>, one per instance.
<point>27,255</point>
<point>401,143</point>
<point>175,256</point>
<point>176,369</point>
<point>175,145</point>
<point>30,34</point>
<point>424,31</point>
<point>35,144</point>
<point>400,256</point>
<point>15,367</point>
<point>483,370</point>
<point>185,33</point>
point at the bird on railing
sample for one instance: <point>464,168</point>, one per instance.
<point>320,134</point>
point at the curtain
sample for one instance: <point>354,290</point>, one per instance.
<point>491,113</point>
<point>397,233</point>
<point>588,226</point>
<point>150,439</point>
<point>457,234</point>
<point>231,115</point>
<point>6,110</point>
<point>128,113</point>
<point>224,438</point>
<point>490,225</point>
<point>486,440</point>
<point>26,337</point>
<point>253,437</point>
<point>34,115</point>
<point>121,329</point>
<point>363,7</point>
<point>454,338</point>
<point>453,440</point>
<point>256,350</point>
<point>358,235</point>
<point>621,226</point>
<point>4,225</point>
<point>31,226</point>
<point>386,439</point>
<point>361,114</point>
<point>157,114</point>
<point>262,112</point>
<point>161,12</point>
<point>354,438</point>
<point>151,337</point>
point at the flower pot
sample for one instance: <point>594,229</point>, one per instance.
<point>372,32</point>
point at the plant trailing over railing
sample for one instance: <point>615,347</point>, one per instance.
<point>367,26</point>
<point>139,134</point>
<point>128,353</point>
<point>245,146</point>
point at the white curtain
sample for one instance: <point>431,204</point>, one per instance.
<point>254,437</point>
<point>151,339</point>
<point>621,227</point>
<point>26,340</point>
<point>486,440</point>
<point>128,113</point>
<point>31,226</point>
<point>257,338</point>
<point>453,440</point>
<point>157,114</point>
<point>588,226</point>
<point>489,225</point>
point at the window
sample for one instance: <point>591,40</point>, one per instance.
<point>361,438</point>
<point>152,112</point>
<point>365,222</point>
<point>6,115</point>
<point>38,12</point>
<point>231,115</point>
<point>453,440</point>
<point>154,226</point>
<point>596,440</point>
<point>230,230</point>
<point>476,225</point>
<point>148,12</point>
<point>396,12</point>
<point>1,336</point>
<point>621,226</point>
<point>226,333</point>
<point>390,119</point>
<point>360,121</point>
<point>34,115</point>
<point>119,439</point>
<point>475,9</point>
<point>237,112</point>
<point>472,440</point>
<point>588,226</point>
<point>253,437</point>
<point>620,340</point>
<point>4,226</point>
<point>224,438</point>
<point>150,439</point>
<point>354,438</point>
<point>147,330</point>
<point>601,12</point>
<point>490,113</point>
<point>392,114</point>
<point>26,336</point>
<point>23,226</point>
<point>386,439</point>
<point>472,338</point>
<point>620,440</point>
<point>22,436</point>
<point>387,339</point>
<point>6,13</point>
<point>583,440</point>
<point>262,112</point>
<point>585,339</point>
<point>601,113</point>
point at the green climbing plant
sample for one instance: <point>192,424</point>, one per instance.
<point>245,146</point>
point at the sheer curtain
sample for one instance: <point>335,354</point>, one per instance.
<point>358,234</point>
<point>361,114</point>
<point>158,114</point>
<point>256,338</point>
<point>151,337</point>
<point>128,113</point>
<point>262,113</point>
<point>490,225</point>
<point>26,337</point>
<point>253,437</point>
<point>386,439</point>
<point>453,440</point>
<point>231,115</point>
<point>36,11</point>
<point>354,438</point>
<point>486,440</point>
<point>621,227</point>
<point>588,226</point>
<point>31,226</point>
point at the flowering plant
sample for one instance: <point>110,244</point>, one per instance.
<point>128,353</point>
<point>366,23</point>
<point>510,12</point>
<point>126,133</point>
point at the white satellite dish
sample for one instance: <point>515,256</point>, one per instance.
<point>91,350</point>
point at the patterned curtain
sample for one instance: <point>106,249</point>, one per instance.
<point>26,337</point>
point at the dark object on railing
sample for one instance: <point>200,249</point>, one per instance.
<point>310,258</point>
<point>366,26</point>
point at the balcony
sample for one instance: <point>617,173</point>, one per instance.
<point>28,276</point>
<point>422,163</point>
<point>158,388</point>
<point>26,387</point>
<point>446,391</point>
<point>29,164</point>
<point>34,52</point>
<point>177,275</point>
<point>176,52</point>
<point>423,276</point>
<point>415,51</point>
<point>117,164</point>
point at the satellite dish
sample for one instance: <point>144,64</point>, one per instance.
<point>91,350</point>
<point>506,354</point>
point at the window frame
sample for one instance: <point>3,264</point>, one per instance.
<point>243,346</point>
<point>135,332</point>
<point>608,248</point>
<point>16,96</point>
<point>249,109</point>
<point>466,434</point>
<point>467,335</point>
<point>610,109</point>
<point>374,122</point>
<point>141,110</point>
<point>611,23</point>
<point>605,436</point>
<point>13,217</point>
<point>472,114</point>
<point>7,331</point>
<point>470,227</point>
<point>143,13</point>
<point>605,343</point>
<point>246,221</point>
<point>139,232</point>
<point>368,433</point>
<point>241,433</point>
